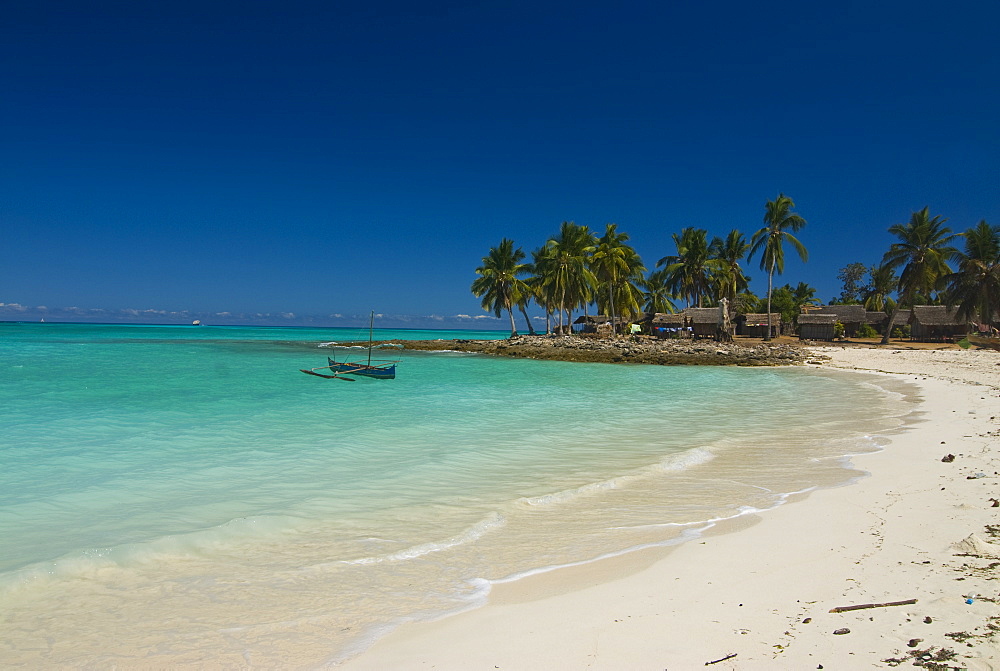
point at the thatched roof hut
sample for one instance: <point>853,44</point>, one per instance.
<point>851,316</point>
<point>817,327</point>
<point>703,321</point>
<point>671,319</point>
<point>592,319</point>
<point>936,322</point>
<point>668,324</point>
<point>754,324</point>
<point>876,319</point>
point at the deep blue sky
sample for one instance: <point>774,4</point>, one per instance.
<point>322,157</point>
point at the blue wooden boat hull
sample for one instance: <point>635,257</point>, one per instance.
<point>377,372</point>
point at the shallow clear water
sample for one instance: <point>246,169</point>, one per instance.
<point>189,491</point>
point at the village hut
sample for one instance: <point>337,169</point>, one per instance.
<point>668,325</point>
<point>817,327</point>
<point>899,320</point>
<point>599,324</point>
<point>754,325</point>
<point>877,320</point>
<point>851,316</point>
<point>936,322</point>
<point>704,322</point>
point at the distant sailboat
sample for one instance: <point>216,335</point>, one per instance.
<point>379,369</point>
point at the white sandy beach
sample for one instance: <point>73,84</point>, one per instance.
<point>762,588</point>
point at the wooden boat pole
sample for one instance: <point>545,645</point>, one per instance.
<point>371,327</point>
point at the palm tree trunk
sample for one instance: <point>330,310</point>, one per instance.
<point>562,309</point>
<point>770,279</point>
<point>531,329</point>
<point>611,307</point>
<point>888,326</point>
<point>513,328</point>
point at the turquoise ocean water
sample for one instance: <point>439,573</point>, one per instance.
<point>183,495</point>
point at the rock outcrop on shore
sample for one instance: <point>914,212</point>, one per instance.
<point>623,350</point>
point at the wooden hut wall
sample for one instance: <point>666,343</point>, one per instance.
<point>817,327</point>
<point>817,332</point>
<point>704,321</point>
<point>755,325</point>
<point>935,322</point>
<point>877,320</point>
<point>668,325</point>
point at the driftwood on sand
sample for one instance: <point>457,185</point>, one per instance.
<point>843,609</point>
<point>721,659</point>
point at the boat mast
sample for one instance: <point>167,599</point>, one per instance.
<point>371,325</point>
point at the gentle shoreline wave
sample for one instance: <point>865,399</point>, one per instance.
<point>380,503</point>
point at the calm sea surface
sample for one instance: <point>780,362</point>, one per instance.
<point>184,495</point>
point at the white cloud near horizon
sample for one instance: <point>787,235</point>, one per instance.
<point>20,312</point>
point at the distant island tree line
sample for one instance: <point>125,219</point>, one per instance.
<point>576,269</point>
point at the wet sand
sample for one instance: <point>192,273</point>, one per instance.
<point>758,593</point>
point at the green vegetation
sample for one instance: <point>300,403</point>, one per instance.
<point>923,251</point>
<point>975,288</point>
<point>770,242</point>
<point>852,276</point>
<point>575,269</point>
<point>867,331</point>
<point>498,283</point>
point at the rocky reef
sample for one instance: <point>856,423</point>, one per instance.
<point>623,350</point>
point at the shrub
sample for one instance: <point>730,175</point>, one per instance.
<point>867,331</point>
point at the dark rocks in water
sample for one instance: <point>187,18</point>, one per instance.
<point>602,350</point>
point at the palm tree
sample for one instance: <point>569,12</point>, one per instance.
<point>498,283</point>
<point>541,289</point>
<point>689,271</point>
<point>656,294</point>
<point>803,294</point>
<point>521,299</point>
<point>729,276</point>
<point>975,288</point>
<point>923,252</point>
<point>566,271</point>
<point>616,266</point>
<point>744,302</point>
<point>876,294</point>
<point>769,240</point>
<point>628,295</point>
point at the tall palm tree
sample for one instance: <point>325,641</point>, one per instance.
<point>542,290</point>
<point>923,251</point>
<point>616,266</point>
<point>522,297</point>
<point>770,242</point>
<point>876,295</point>
<point>498,283</point>
<point>656,294</point>
<point>567,274</point>
<point>729,276</point>
<point>689,271</point>
<point>628,295</point>
<point>975,287</point>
